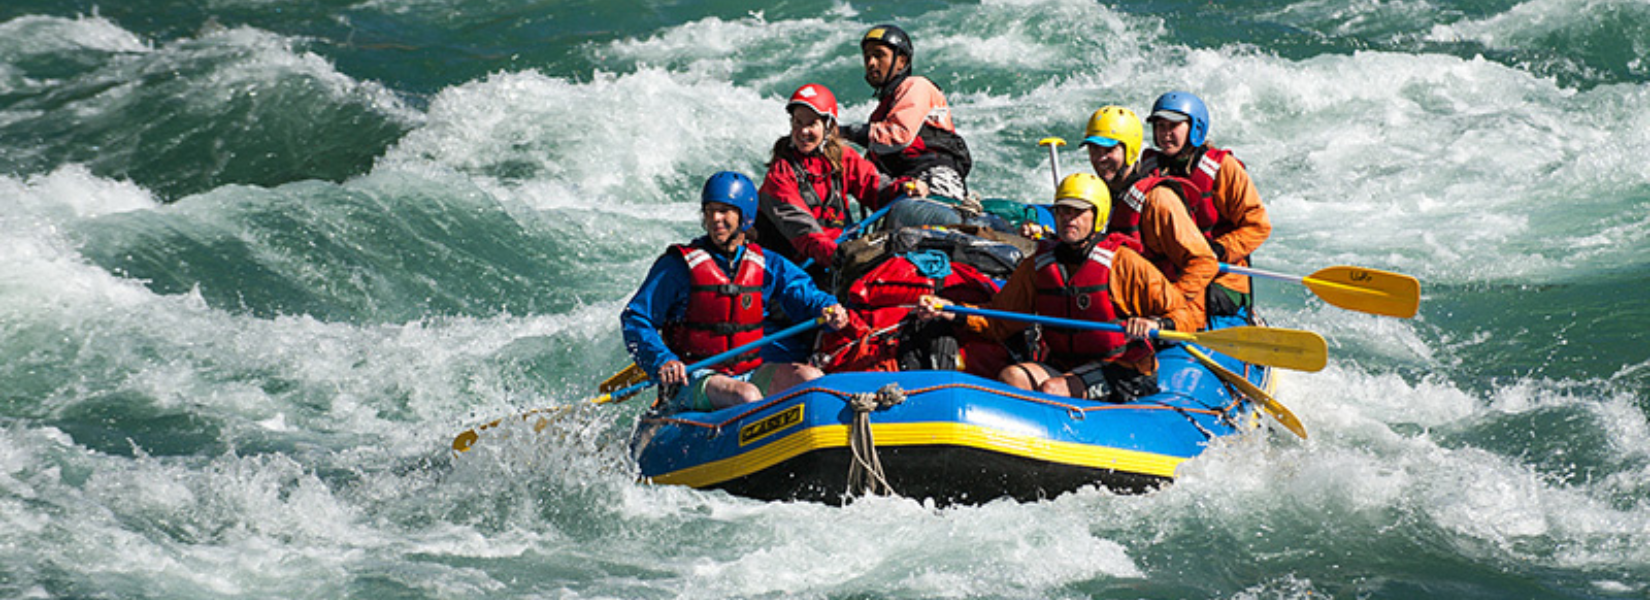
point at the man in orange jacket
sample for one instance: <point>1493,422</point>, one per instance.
<point>1180,127</point>
<point>1084,274</point>
<point>1151,208</point>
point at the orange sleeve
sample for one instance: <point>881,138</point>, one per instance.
<point>916,100</point>
<point>1139,290</point>
<point>1018,295</point>
<point>1239,203</point>
<point>1167,229</point>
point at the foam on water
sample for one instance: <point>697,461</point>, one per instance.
<point>231,106</point>
<point>648,137</point>
<point>1571,26</point>
<point>180,443</point>
<point>36,36</point>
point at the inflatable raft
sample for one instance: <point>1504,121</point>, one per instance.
<point>954,438</point>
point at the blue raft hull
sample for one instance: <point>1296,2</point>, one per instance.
<point>956,438</point>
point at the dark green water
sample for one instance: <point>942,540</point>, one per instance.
<point>260,261</point>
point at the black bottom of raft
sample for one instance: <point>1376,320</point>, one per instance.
<point>945,474</point>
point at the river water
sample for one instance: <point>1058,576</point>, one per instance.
<point>261,260</point>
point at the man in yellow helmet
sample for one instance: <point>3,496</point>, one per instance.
<point>1152,209</point>
<point>1084,274</point>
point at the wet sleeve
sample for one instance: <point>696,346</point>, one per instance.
<point>1238,202</point>
<point>1169,230</point>
<point>781,203</point>
<point>663,291</point>
<point>1018,295</point>
<point>912,102</point>
<point>1139,290</point>
<point>793,288</point>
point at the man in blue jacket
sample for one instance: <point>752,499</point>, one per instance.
<point>711,295</point>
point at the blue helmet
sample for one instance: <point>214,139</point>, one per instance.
<point>733,189</point>
<point>1183,103</point>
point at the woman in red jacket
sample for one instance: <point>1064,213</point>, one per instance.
<point>803,203</point>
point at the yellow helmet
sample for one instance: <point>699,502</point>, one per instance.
<point>1084,191</point>
<point>1112,125</point>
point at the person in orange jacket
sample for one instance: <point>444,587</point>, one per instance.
<point>1151,208</point>
<point>1088,275</point>
<point>910,133</point>
<point>803,202</point>
<point>1180,128</point>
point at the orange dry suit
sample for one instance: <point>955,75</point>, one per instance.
<point>1226,191</point>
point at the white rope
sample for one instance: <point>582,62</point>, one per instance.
<point>865,474</point>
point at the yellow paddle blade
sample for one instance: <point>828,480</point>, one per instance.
<point>1367,290</point>
<point>631,375</point>
<point>463,441</point>
<point>1276,410</point>
<point>1283,348</point>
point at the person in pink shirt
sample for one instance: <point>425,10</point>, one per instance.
<point>910,134</point>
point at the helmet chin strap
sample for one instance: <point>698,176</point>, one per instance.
<point>892,78</point>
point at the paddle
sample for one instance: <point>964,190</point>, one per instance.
<point>1272,407</point>
<point>1282,348</point>
<point>463,441</point>
<point>1053,144</point>
<point>854,229</point>
<point>632,374</point>
<point>1354,288</point>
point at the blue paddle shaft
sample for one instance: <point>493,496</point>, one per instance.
<point>1014,316</point>
<point>720,358</point>
<point>853,229</point>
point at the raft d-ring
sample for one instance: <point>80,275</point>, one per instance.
<point>1076,414</point>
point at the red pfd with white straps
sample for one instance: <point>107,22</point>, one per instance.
<point>722,313</point>
<point>878,304</point>
<point>1205,167</point>
<point>830,211</point>
<point>1084,295</point>
<point>1125,213</point>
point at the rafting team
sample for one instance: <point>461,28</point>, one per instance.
<point>1139,242</point>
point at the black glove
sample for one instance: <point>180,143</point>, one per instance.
<point>1220,251</point>
<point>858,133</point>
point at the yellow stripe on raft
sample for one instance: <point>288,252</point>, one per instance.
<point>926,434</point>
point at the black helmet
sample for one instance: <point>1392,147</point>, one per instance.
<point>891,35</point>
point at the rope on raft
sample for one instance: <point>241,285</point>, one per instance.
<point>865,474</point>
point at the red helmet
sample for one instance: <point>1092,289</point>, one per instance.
<point>817,98</point>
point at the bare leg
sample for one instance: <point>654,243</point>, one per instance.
<point>787,375</point>
<point>1065,385</point>
<point>1025,376</point>
<point>724,391</point>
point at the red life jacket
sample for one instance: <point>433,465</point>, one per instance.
<point>830,211</point>
<point>1204,167</point>
<point>722,314</point>
<point>879,301</point>
<point>897,282</point>
<point>1084,295</point>
<point>1125,215</point>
